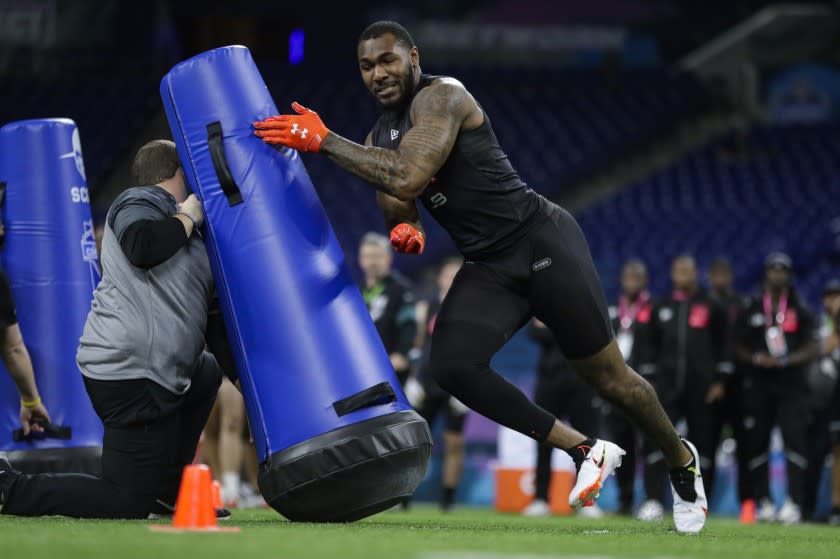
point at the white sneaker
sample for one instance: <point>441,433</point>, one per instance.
<point>690,504</point>
<point>599,464</point>
<point>538,507</point>
<point>230,489</point>
<point>250,498</point>
<point>651,511</point>
<point>594,512</point>
<point>790,513</point>
<point>766,511</point>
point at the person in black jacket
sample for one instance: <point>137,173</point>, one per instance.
<point>631,320</point>
<point>563,393</point>
<point>389,300</point>
<point>689,338</point>
<point>730,412</point>
<point>775,339</point>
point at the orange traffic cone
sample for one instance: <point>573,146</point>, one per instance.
<point>217,495</point>
<point>748,512</point>
<point>194,511</point>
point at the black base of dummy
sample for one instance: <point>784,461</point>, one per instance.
<point>349,473</point>
<point>84,460</point>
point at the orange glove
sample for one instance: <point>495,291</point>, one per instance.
<point>407,239</point>
<point>304,131</point>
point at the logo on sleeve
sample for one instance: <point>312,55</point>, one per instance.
<point>437,200</point>
<point>540,264</point>
<point>394,134</point>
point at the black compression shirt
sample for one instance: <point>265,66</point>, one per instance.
<point>477,196</point>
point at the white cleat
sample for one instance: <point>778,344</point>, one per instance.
<point>651,511</point>
<point>599,464</point>
<point>538,507</point>
<point>766,511</point>
<point>790,513</point>
<point>690,504</point>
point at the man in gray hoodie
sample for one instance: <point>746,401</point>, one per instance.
<point>141,355</point>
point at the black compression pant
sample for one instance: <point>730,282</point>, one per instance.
<point>548,274</point>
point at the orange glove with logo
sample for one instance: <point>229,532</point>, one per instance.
<point>304,131</point>
<point>407,239</point>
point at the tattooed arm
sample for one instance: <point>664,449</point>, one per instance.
<point>437,114</point>
<point>394,210</point>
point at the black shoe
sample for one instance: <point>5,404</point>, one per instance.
<point>834,517</point>
<point>8,475</point>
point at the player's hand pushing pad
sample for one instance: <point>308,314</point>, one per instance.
<point>304,131</point>
<point>407,239</point>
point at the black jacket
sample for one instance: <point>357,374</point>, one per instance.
<point>690,339</point>
<point>641,357</point>
<point>731,305</point>
<point>799,327</point>
<point>391,306</point>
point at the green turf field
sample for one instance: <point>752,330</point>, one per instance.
<point>422,533</point>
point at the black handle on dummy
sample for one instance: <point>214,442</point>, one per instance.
<point>376,395</point>
<point>51,431</point>
<point>217,154</point>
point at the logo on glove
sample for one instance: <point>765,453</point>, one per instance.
<point>296,130</point>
